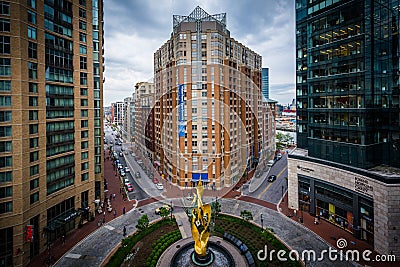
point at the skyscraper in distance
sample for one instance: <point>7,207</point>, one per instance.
<point>265,83</point>
<point>51,145</point>
<point>346,167</point>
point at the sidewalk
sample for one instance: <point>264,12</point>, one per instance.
<point>58,249</point>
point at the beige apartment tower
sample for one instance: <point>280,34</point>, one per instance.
<point>51,144</point>
<point>208,111</point>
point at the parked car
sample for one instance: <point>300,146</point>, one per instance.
<point>271,163</point>
<point>111,141</point>
<point>127,169</point>
<point>159,186</point>
<point>168,207</point>
<point>130,188</point>
<point>121,154</point>
<point>271,178</point>
<point>140,161</point>
<point>279,156</point>
<point>155,180</point>
<point>122,173</point>
<point>126,181</point>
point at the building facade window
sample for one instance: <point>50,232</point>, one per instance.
<point>34,198</point>
<point>85,176</point>
<point>33,128</point>
<point>33,115</point>
<point>82,37</point>
<point>33,87</point>
<point>5,116</point>
<point>5,45</point>
<point>4,25</point>
<point>32,3</point>
<point>5,177</point>
<point>32,32</point>
<point>82,25</point>
<point>82,13</point>
<point>5,131</point>
<point>84,124</point>
<point>33,101</point>
<point>33,142</point>
<point>31,17</point>
<point>6,162</point>
<point>5,67</point>
<point>4,8</point>
<point>83,63</point>
<point>34,156</point>
<point>32,50</point>
<point>5,101</point>
<point>84,166</point>
<point>34,183</point>
<point>6,207</point>
<point>5,146</point>
<point>32,70</point>
<point>5,86</point>
<point>83,78</point>
<point>6,192</point>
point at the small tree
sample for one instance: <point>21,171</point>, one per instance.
<point>143,222</point>
<point>164,212</point>
<point>246,215</point>
<point>216,208</point>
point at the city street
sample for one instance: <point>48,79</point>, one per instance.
<point>138,193</point>
<point>273,191</point>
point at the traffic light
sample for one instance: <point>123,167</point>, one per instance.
<point>29,233</point>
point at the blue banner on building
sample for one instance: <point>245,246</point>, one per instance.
<point>181,111</point>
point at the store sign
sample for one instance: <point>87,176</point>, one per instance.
<point>361,185</point>
<point>304,169</point>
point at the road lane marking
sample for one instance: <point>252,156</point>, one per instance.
<point>269,184</point>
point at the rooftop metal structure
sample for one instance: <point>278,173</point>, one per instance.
<point>198,14</point>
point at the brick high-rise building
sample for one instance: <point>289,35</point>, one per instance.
<point>208,109</point>
<point>51,130</point>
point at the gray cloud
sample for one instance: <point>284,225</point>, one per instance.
<point>135,29</point>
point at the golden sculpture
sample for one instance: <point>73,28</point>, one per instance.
<point>201,217</point>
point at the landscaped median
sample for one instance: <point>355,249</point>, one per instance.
<point>254,238</point>
<point>150,241</point>
<point>141,244</point>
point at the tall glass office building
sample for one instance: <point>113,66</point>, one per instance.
<point>346,167</point>
<point>265,83</point>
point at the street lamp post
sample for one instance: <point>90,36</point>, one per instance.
<point>262,223</point>
<point>171,210</point>
<point>283,200</point>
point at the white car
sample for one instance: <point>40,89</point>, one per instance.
<point>127,169</point>
<point>159,186</point>
<point>126,181</point>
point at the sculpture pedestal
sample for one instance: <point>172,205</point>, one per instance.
<point>203,260</point>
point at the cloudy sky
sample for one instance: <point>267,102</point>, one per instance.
<point>135,29</point>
